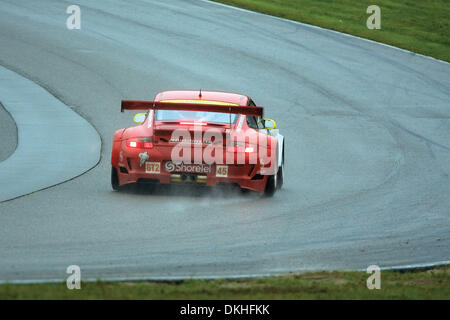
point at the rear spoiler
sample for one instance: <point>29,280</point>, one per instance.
<point>154,105</point>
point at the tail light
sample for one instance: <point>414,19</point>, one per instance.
<point>141,143</point>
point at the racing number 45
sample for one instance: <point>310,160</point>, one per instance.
<point>222,171</point>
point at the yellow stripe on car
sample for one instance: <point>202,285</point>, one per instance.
<point>222,103</point>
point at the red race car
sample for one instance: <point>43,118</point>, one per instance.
<point>202,137</point>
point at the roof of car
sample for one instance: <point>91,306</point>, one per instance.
<point>210,96</point>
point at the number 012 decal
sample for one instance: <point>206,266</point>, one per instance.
<point>152,167</point>
<point>221,171</point>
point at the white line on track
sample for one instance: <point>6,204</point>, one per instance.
<point>223,276</point>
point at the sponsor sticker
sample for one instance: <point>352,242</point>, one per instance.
<point>152,167</point>
<point>143,157</point>
<point>221,171</point>
<point>189,168</point>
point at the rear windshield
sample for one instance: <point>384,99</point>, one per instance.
<point>179,115</point>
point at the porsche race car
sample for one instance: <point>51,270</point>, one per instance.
<point>200,137</point>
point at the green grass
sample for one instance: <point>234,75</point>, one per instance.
<point>418,26</point>
<point>430,284</point>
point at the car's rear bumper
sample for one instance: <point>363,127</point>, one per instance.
<point>132,168</point>
<point>246,176</point>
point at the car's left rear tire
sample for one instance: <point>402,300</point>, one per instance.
<point>114,179</point>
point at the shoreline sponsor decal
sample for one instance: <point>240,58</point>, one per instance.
<point>188,168</point>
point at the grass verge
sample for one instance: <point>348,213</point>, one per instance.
<point>418,26</point>
<point>425,284</point>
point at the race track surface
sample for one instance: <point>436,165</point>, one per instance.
<point>367,132</point>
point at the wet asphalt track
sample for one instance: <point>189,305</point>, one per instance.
<point>367,132</point>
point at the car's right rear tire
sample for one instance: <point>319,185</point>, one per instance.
<point>114,179</point>
<point>280,176</point>
<point>271,186</point>
<point>281,171</point>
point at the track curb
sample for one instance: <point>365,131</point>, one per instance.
<point>54,143</point>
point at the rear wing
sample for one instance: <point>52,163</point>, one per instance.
<point>154,105</point>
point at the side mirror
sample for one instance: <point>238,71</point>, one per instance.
<point>139,117</point>
<point>269,124</point>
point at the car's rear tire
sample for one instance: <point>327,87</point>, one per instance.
<point>281,170</point>
<point>271,186</point>
<point>114,179</point>
<point>280,176</point>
